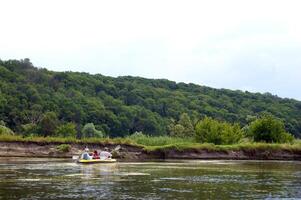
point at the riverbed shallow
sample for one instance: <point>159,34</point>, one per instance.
<point>42,178</point>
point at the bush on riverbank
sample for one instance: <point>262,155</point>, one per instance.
<point>5,131</point>
<point>63,148</point>
<point>140,138</point>
<point>66,130</point>
<point>269,129</point>
<point>209,130</point>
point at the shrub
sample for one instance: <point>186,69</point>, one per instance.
<point>269,129</point>
<point>5,131</point>
<point>183,128</point>
<point>29,129</point>
<point>2,123</point>
<point>48,124</point>
<point>140,138</point>
<point>209,130</point>
<point>63,148</point>
<point>177,131</point>
<point>66,130</point>
<point>231,134</point>
<point>90,131</point>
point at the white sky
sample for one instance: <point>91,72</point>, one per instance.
<point>252,45</point>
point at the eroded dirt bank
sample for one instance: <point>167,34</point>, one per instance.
<point>33,149</point>
<point>133,153</point>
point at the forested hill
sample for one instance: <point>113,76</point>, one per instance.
<point>121,106</point>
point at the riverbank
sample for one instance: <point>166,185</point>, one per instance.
<point>135,152</point>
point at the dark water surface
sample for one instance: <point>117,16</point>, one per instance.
<point>32,178</point>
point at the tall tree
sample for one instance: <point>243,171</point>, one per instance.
<point>48,124</point>
<point>90,131</point>
<point>66,130</point>
<point>187,124</point>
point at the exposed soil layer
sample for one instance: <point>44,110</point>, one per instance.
<point>134,153</point>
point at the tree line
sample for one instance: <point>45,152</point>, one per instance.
<point>36,101</point>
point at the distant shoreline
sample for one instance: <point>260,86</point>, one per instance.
<point>128,152</point>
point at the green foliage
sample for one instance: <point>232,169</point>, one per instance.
<point>48,124</point>
<point>297,141</point>
<point>5,131</point>
<point>140,138</point>
<point>66,130</point>
<point>177,131</point>
<point>29,129</point>
<point>249,147</point>
<point>209,130</point>
<point>121,106</point>
<point>159,143</point>
<point>183,128</point>
<point>89,131</point>
<point>70,140</point>
<point>187,124</point>
<point>2,123</point>
<point>64,148</point>
<point>269,129</point>
<point>231,134</point>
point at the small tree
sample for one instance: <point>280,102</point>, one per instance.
<point>208,130</point>
<point>29,129</point>
<point>183,128</point>
<point>66,130</point>
<point>2,123</point>
<point>89,131</point>
<point>231,134</point>
<point>269,129</point>
<point>48,124</point>
<point>5,131</point>
<point>178,131</point>
<point>213,131</point>
<point>186,123</point>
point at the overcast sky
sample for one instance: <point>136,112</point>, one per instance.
<point>250,45</point>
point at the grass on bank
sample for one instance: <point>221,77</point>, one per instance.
<point>162,143</point>
<point>158,143</point>
<point>67,140</point>
<point>224,148</point>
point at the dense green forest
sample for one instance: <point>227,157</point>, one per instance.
<point>42,102</point>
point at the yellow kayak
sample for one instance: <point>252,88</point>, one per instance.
<point>97,161</point>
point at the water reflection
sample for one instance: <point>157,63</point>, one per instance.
<point>64,179</point>
<point>95,170</point>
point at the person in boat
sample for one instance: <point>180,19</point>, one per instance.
<point>95,155</point>
<point>86,155</point>
<point>86,149</point>
<point>105,155</point>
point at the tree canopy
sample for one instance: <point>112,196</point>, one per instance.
<point>38,101</point>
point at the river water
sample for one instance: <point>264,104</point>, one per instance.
<point>33,178</point>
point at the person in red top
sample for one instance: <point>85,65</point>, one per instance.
<point>95,155</point>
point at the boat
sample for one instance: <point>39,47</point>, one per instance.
<point>103,157</point>
<point>84,161</point>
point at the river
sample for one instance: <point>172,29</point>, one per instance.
<point>37,178</point>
